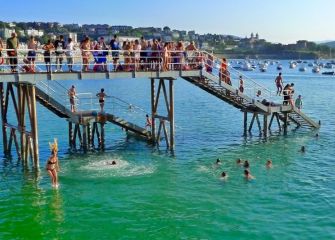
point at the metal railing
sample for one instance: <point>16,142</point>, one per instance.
<point>131,60</point>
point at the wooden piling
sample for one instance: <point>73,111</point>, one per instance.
<point>171,116</point>
<point>153,112</point>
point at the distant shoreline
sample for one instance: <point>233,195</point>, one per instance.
<point>292,56</point>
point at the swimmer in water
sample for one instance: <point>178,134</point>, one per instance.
<point>239,162</point>
<point>224,176</point>
<point>111,163</point>
<point>247,175</point>
<point>302,149</point>
<point>268,163</point>
<point>218,161</point>
<point>246,164</point>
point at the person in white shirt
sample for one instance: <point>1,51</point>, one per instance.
<point>69,54</point>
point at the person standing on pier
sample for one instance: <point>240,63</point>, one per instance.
<point>101,95</point>
<point>60,46</point>
<point>69,54</point>
<point>148,123</point>
<point>52,164</point>
<point>48,47</point>
<point>241,88</point>
<point>12,45</point>
<point>32,46</point>
<point>72,95</point>
<point>279,84</point>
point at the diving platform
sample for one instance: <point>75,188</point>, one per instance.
<point>86,126</point>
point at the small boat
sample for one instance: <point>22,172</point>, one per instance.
<point>329,73</point>
<point>302,68</point>
<point>328,65</point>
<point>316,69</point>
<point>247,67</point>
<point>279,67</point>
<point>299,61</point>
<point>293,64</point>
<point>310,64</point>
<point>263,67</point>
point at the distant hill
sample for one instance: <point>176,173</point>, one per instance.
<point>329,44</point>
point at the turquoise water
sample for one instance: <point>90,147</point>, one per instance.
<point>153,194</point>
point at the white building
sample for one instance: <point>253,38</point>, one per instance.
<point>34,32</point>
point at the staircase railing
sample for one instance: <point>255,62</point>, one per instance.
<point>252,89</point>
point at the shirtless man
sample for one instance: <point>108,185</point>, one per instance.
<point>279,84</point>
<point>72,95</point>
<point>101,95</point>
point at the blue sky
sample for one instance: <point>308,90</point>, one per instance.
<point>282,21</point>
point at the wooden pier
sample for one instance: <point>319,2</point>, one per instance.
<point>86,129</point>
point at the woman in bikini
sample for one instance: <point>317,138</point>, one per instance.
<point>52,164</point>
<point>85,52</point>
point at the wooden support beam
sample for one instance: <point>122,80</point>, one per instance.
<point>80,137</point>
<point>252,122</point>
<point>85,138</point>
<point>3,118</point>
<point>157,96</point>
<point>171,115</point>
<point>278,122</point>
<point>89,136</point>
<point>17,147</point>
<point>285,122</point>
<point>153,112</point>
<point>74,137</point>
<point>165,96</point>
<point>265,125</point>
<point>245,123</point>
<point>271,120</point>
<point>70,135</point>
<point>166,135</point>
<point>159,131</point>
<point>102,131</point>
<point>34,129</point>
<point>258,124</point>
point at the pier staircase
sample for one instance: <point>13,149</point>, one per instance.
<point>255,97</point>
<point>53,96</point>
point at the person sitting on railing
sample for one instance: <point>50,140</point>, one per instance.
<point>13,45</point>
<point>48,47</point>
<point>60,46</point>
<point>69,53</point>
<point>85,47</point>
<point>26,67</point>
<point>32,46</point>
<point>115,46</point>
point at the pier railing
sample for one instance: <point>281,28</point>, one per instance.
<point>131,61</point>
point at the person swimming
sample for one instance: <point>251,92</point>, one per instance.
<point>247,175</point>
<point>246,164</point>
<point>303,149</point>
<point>239,161</point>
<point>218,161</point>
<point>268,163</point>
<point>111,163</point>
<point>224,175</point>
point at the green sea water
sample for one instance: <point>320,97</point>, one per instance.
<point>154,194</point>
